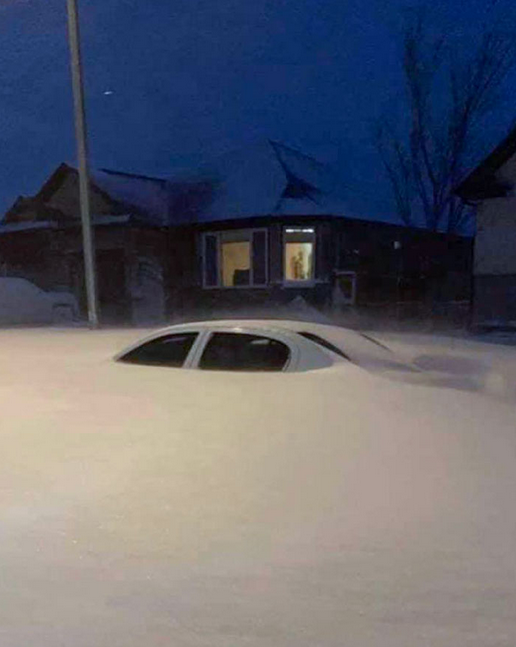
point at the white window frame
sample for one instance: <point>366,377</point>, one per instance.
<point>302,283</point>
<point>218,235</point>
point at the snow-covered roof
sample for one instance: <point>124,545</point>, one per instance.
<point>265,179</point>
<point>29,225</point>
<point>147,195</point>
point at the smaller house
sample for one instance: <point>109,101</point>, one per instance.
<point>256,228</point>
<point>41,240</point>
<point>491,187</point>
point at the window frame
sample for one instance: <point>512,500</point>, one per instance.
<point>301,283</point>
<point>205,335</point>
<point>241,334</point>
<point>157,339</point>
<point>218,237</point>
<point>321,342</point>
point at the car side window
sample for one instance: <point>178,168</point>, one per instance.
<point>169,350</point>
<point>325,344</point>
<point>243,352</point>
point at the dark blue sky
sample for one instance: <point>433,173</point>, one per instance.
<point>188,79</point>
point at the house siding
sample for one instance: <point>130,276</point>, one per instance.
<point>494,264</point>
<point>147,274</point>
<point>66,199</point>
<point>421,267</point>
<point>495,300</point>
<point>495,244</point>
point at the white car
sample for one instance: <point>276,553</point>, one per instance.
<point>260,346</point>
<point>293,347</point>
<point>22,302</point>
<point>261,483</point>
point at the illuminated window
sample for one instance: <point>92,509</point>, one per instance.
<point>235,250</point>
<point>299,254</point>
<point>235,258</point>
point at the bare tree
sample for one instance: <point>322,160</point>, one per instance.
<point>448,98</point>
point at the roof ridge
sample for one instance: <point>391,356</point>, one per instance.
<point>489,165</point>
<point>138,176</point>
<point>291,149</point>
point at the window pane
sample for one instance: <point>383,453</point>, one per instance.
<point>211,276</point>
<point>299,254</point>
<point>259,258</point>
<point>171,350</point>
<point>241,352</point>
<point>236,263</point>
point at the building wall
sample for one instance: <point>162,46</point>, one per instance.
<point>391,264</point>
<point>495,244</point>
<point>494,265</point>
<point>146,275</point>
<point>495,300</point>
<point>146,256</point>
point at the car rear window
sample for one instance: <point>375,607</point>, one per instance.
<point>325,344</point>
<point>169,350</point>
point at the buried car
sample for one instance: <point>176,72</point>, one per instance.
<point>259,345</point>
<point>308,497</point>
<point>22,302</point>
<point>296,346</point>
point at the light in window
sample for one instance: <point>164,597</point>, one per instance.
<point>299,247</point>
<point>235,258</point>
<point>236,263</point>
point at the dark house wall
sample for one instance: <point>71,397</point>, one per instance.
<point>391,264</point>
<point>157,272</point>
<point>495,300</point>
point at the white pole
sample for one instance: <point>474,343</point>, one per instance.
<point>82,157</point>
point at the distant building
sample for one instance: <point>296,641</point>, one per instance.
<point>256,228</point>
<point>492,188</point>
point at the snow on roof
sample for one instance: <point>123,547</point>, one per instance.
<point>146,195</point>
<point>29,225</point>
<point>267,178</point>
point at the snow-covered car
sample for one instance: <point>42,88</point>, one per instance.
<point>260,346</point>
<point>296,346</point>
<point>335,498</point>
<point>22,302</point>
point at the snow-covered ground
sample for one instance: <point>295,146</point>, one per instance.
<point>153,506</point>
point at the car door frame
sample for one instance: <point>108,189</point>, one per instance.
<point>164,333</point>
<point>196,352</point>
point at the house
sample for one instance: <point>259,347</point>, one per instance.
<point>491,187</point>
<point>41,240</point>
<point>255,229</point>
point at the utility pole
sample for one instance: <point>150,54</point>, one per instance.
<point>82,157</point>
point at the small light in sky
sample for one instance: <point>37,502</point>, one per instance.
<point>107,93</point>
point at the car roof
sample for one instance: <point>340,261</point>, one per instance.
<point>359,348</point>
<point>308,355</point>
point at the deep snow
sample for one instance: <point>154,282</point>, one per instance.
<point>149,506</point>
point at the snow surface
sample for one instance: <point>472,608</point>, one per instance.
<point>150,506</point>
<point>22,302</point>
